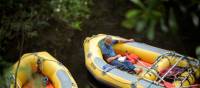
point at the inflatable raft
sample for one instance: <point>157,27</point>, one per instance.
<point>161,68</point>
<point>45,64</point>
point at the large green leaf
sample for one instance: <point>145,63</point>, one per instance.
<point>150,32</point>
<point>132,13</point>
<point>163,26</point>
<point>195,19</point>
<point>198,52</point>
<point>129,23</point>
<point>140,25</point>
<point>156,14</point>
<point>139,3</point>
<point>172,21</point>
<point>131,18</point>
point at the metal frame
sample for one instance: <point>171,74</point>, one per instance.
<point>165,55</point>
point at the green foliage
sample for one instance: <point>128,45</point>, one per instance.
<point>4,65</point>
<point>145,16</point>
<point>198,52</point>
<point>155,14</point>
<point>76,25</point>
<point>29,16</point>
<point>139,3</point>
<point>74,11</point>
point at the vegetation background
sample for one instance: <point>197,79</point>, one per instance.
<point>60,26</point>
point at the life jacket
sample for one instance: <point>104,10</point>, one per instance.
<point>168,84</point>
<point>49,85</point>
<point>132,57</point>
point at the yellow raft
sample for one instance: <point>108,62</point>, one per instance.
<point>42,61</point>
<point>159,59</point>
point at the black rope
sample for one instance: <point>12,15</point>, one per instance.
<point>20,54</point>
